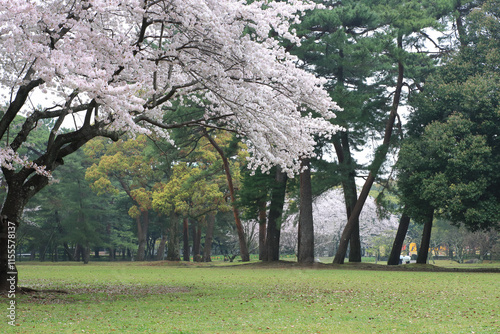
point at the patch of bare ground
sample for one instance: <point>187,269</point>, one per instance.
<point>365,266</point>
<point>107,292</point>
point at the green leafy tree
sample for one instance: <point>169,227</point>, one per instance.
<point>124,166</point>
<point>363,48</point>
<point>454,130</point>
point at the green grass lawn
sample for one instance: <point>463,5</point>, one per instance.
<point>256,298</point>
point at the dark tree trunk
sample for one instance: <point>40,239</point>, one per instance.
<point>207,251</point>
<point>306,226</point>
<point>142,234</point>
<point>86,254</point>
<point>185,234</point>
<point>10,216</point>
<point>423,252</point>
<point>374,168</point>
<point>245,256</point>
<point>348,172</point>
<point>112,255</point>
<point>274,221</point>
<point>196,230</point>
<point>262,230</point>
<point>68,252</point>
<point>78,253</point>
<point>404,222</point>
<point>173,239</point>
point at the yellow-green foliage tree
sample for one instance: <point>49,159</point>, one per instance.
<point>196,191</point>
<point>124,166</point>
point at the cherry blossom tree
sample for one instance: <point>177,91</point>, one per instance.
<point>112,67</point>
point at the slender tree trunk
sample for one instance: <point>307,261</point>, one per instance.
<point>86,255</point>
<point>262,230</point>
<point>306,224</point>
<point>348,172</point>
<point>245,256</point>
<point>161,249</point>
<point>173,239</point>
<point>423,252</point>
<point>274,221</point>
<point>78,252</point>
<point>185,233</point>
<point>68,252</point>
<point>141,236</point>
<point>207,251</point>
<point>404,222</point>
<point>379,159</point>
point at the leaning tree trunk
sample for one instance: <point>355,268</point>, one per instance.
<point>404,222</point>
<point>274,221</point>
<point>423,252</point>
<point>207,250</point>
<point>374,169</point>
<point>348,172</point>
<point>245,256</point>
<point>306,226</point>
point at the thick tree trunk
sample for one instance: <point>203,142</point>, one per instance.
<point>173,239</point>
<point>423,252</point>
<point>196,230</point>
<point>404,222</point>
<point>185,234</point>
<point>207,250</point>
<point>375,167</point>
<point>245,256</point>
<point>274,221</point>
<point>306,224</point>
<point>10,216</point>
<point>262,230</point>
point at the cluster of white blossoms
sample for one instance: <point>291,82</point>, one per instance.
<point>133,57</point>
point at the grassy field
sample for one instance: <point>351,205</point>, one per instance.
<point>254,298</point>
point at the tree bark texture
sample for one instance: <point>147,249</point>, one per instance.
<point>306,224</point>
<point>185,234</point>
<point>423,251</point>
<point>404,222</point>
<point>379,158</point>
<point>274,220</point>
<point>262,230</point>
<point>348,174</point>
<point>196,230</point>
<point>207,250</point>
